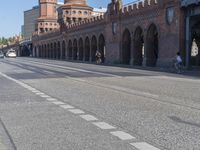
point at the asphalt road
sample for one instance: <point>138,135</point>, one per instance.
<point>59,105</point>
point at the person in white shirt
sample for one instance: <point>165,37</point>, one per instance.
<point>178,58</point>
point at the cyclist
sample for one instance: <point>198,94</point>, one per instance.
<point>178,62</point>
<point>98,57</point>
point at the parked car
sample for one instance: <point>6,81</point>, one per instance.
<point>11,53</point>
<point>1,55</point>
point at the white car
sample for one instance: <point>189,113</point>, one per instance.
<point>11,53</point>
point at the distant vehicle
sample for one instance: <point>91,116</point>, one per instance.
<point>11,53</point>
<point>1,55</point>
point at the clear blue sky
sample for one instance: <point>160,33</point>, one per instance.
<point>11,13</point>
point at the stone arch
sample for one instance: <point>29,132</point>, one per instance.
<point>126,47</point>
<point>75,49</point>
<point>80,45</point>
<point>138,46</point>
<point>93,47</point>
<point>87,49</point>
<point>70,49</point>
<point>102,46</point>
<point>151,49</point>
<point>63,50</point>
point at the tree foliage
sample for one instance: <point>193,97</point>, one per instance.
<point>6,41</point>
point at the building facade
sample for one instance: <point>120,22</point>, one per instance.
<point>147,33</point>
<point>30,17</point>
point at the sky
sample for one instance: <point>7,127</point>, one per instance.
<point>11,13</point>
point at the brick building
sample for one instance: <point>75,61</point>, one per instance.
<point>147,33</point>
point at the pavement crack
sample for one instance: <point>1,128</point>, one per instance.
<point>8,135</point>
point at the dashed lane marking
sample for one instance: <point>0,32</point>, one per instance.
<point>88,117</point>
<point>51,99</point>
<point>144,146</point>
<point>44,96</point>
<point>39,93</point>
<point>76,111</point>
<point>58,103</point>
<point>103,125</point>
<point>122,135</point>
<point>67,106</point>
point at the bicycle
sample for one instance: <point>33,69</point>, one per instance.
<point>176,67</point>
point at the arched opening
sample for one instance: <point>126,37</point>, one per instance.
<point>54,51</point>
<point>63,50</point>
<point>80,43</point>
<point>70,49</point>
<point>42,51</point>
<point>48,51</point>
<point>94,48</point>
<point>152,46</point>
<point>138,51</point>
<point>45,51</point>
<point>102,46</point>
<point>75,50</point>
<point>195,45</point>
<point>87,49</point>
<point>126,47</point>
<point>39,51</point>
<point>51,51</point>
<point>58,51</point>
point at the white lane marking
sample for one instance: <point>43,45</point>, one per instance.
<point>88,117</point>
<point>45,96</point>
<point>66,106</point>
<point>39,93</point>
<point>103,125</point>
<point>122,135</point>
<point>144,146</point>
<point>35,91</point>
<point>52,99</point>
<point>58,103</point>
<point>76,111</point>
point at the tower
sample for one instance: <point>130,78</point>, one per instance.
<point>47,20</point>
<point>73,11</point>
<point>82,2</point>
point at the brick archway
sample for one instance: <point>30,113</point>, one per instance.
<point>55,51</point>
<point>93,48</point>
<point>152,46</point>
<point>195,49</point>
<point>63,50</point>
<point>80,45</point>
<point>126,47</point>
<point>58,50</point>
<point>138,46</point>
<point>75,49</point>
<point>70,49</point>
<point>102,45</point>
<point>87,49</point>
